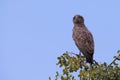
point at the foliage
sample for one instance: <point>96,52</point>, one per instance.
<point>72,65</point>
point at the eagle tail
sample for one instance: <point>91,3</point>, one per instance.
<point>89,58</point>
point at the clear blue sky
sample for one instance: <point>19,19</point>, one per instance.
<point>33,33</point>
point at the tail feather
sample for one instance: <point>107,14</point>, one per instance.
<point>89,58</point>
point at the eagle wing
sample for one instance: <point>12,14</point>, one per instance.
<point>84,41</point>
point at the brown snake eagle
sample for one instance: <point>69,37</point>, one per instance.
<point>83,38</point>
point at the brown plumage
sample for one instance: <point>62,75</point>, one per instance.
<point>83,38</point>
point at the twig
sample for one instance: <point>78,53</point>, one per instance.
<point>108,68</point>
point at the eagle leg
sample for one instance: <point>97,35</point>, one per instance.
<point>80,53</point>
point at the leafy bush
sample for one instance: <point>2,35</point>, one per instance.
<point>74,67</point>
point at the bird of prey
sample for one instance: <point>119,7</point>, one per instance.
<point>83,38</point>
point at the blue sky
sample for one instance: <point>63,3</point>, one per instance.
<point>33,33</point>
